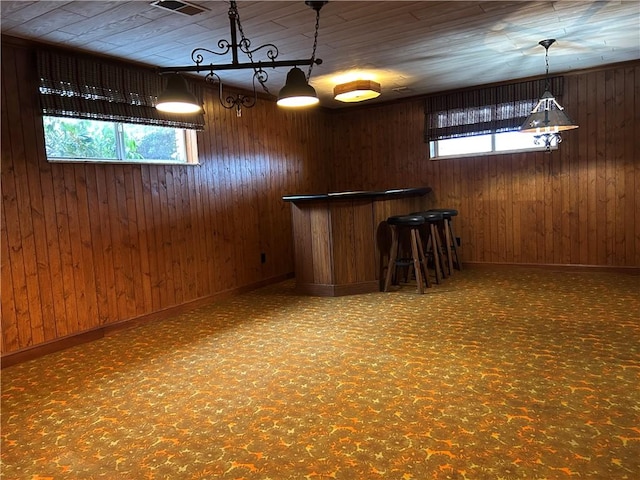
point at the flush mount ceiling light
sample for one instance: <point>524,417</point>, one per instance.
<point>548,118</point>
<point>356,91</point>
<point>292,94</point>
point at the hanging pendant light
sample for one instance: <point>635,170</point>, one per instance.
<point>548,118</point>
<point>296,91</point>
<point>177,98</point>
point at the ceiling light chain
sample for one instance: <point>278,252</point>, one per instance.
<point>316,6</point>
<point>546,44</point>
<point>245,43</point>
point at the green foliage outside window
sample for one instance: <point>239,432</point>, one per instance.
<point>74,139</point>
<point>151,143</point>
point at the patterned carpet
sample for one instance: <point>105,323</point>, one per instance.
<point>495,374</point>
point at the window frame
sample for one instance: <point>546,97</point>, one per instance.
<point>433,148</point>
<point>189,139</point>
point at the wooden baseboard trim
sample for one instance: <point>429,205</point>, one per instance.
<point>29,353</point>
<point>193,304</point>
<point>330,290</point>
<point>42,349</point>
<point>557,267</point>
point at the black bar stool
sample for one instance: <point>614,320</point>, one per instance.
<point>449,239</point>
<point>401,225</point>
<point>432,244</point>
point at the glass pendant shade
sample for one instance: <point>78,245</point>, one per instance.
<point>356,91</point>
<point>296,91</point>
<point>547,117</point>
<point>177,98</point>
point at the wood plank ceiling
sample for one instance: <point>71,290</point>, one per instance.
<point>410,48</point>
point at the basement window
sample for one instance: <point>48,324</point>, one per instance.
<point>85,140</point>
<point>491,144</point>
<point>485,120</point>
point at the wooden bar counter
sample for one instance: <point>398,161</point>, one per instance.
<point>341,240</point>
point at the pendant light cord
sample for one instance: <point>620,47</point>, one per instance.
<point>244,41</point>
<point>233,8</point>
<point>315,43</point>
<point>546,44</point>
<point>546,58</point>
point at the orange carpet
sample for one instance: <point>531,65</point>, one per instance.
<point>495,374</point>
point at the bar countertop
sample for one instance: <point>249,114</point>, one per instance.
<point>359,194</point>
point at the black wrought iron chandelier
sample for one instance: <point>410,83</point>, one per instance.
<point>548,118</point>
<point>296,92</point>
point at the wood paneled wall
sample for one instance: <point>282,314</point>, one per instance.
<point>579,205</point>
<point>89,245</point>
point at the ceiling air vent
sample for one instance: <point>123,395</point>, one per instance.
<point>402,90</point>
<point>178,6</point>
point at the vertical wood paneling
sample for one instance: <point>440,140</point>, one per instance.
<point>321,245</point>
<point>302,240</point>
<point>497,216</point>
<point>364,242</point>
<point>142,240</point>
<point>37,207</point>
<point>527,208</point>
<point>98,247</point>
<point>343,238</point>
<point>541,177</point>
<point>561,203</point>
<point>69,220</point>
<point>106,243</point>
<point>581,168</point>
<point>224,194</point>
<point>128,234</point>
<point>209,192</point>
<point>601,227</point>
<point>517,210</point>
<point>545,192</point>
<point>10,301</point>
<point>479,211</point>
<point>630,163</point>
<point>506,168</point>
<point>618,160</point>
<point>202,234</point>
<point>352,241</point>
<point>85,246</point>
<point>10,315</point>
<point>21,235</point>
<point>176,242</point>
<point>119,242</point>
<point>81,226</point>
<point>61,239</point>
<point>612,161</point>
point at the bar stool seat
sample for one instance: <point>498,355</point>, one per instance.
<point>449,240</point>
<point>401,225</point>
